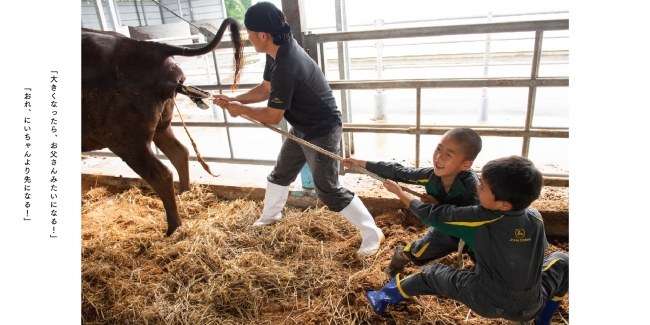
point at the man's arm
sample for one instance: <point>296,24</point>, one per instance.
<point>266,115</point>
<point>236,105</point>
<point>257,94</point>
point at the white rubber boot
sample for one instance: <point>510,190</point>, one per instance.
<point>371,235</point>
<point>274,200</point>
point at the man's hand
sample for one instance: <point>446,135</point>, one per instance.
<point>221,97</point>
<point>426,198</point>
<point>348,162</point>
<point>234,108</point>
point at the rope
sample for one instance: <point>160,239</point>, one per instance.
<point>196,150</point>
<point>325,152</point>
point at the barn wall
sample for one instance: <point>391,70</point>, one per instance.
<point>129,15</point>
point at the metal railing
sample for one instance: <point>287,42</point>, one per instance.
<point>313,44</point>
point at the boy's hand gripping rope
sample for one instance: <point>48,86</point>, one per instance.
<point>325,152</point>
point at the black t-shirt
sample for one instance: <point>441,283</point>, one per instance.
<point>299,87</point>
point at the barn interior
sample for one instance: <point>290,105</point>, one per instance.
<point>400,84</point>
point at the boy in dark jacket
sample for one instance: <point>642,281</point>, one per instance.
<point>451,180</point>
<point>511,278</point>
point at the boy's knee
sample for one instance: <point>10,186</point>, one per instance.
<point>563,256</point>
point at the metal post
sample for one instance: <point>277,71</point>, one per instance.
<point>486,64</point>
<point>418,111</point>
<point>117,11</point>
<point>380,96</point>
<point>137,12</point>
<point>162,14</point>
<point>115,15</point>
<point>344,74</point>
<point>215,109</point>
<point>323,59</point>
<point>191,11</point>
<point>180,10</point>
<point>532,90</point>
<point>144,13</point>
<point>223,8</point>
<point>295,12</point>
<point>99,10</point>
<point>216,67</point>
<point>310,45</point>
<point>225,119</point>
<point>206,64</point>
<point>379,45</point>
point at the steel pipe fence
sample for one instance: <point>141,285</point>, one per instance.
<point>314,46</point>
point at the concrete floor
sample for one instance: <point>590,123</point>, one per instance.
<point>238,181</point>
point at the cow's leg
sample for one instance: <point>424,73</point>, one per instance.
<point>144,162</point>
<point>177,154</point>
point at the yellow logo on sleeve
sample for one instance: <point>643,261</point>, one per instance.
<point>277,100</point>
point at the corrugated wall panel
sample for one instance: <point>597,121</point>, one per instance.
<point>173,5</point>
<point>89,15</point>
<point>207,10</point>
<point>202,10</point>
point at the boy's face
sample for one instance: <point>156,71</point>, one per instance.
<point>486,197</point>
<point>449,159</point>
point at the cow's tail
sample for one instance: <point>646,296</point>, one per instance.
<point>237,44</point>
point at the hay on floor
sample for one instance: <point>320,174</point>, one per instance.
<point>216,269</point>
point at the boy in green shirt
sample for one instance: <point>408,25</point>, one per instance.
<point>450,180</point>
<point>511,278</point>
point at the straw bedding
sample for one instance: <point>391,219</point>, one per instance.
<point>216,269</point>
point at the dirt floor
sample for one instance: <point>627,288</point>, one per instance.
<point>216,269</point>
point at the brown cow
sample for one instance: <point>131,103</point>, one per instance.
<point>128,90</point>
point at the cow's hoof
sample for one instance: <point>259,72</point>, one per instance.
<point>171,229</point>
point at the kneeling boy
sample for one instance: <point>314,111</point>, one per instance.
<point>511,278</point>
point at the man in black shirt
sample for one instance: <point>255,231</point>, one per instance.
<point>296,89</point>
